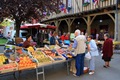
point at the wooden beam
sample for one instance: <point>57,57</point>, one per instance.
<point>92,19</point>
<point>111,17</point>
<point>72,21</point>
<point>85,20</point>
<point>101,13</point>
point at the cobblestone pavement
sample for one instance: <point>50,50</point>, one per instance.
<point>59,72</point>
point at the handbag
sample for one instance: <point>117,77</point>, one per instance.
<point>88,55</point>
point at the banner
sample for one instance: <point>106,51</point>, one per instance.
<point>95,2</point>
<point>69,3</point>
<point>86,1</point>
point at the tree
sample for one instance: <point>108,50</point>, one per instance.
<point>24,10</point>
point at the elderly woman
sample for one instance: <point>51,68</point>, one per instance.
<point>107,50</point>
<point>92,48</point>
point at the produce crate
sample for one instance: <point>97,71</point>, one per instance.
<point>41,58</point>
<point>27,67</point>
<point>44,64</point>
<point>58,59</point>
<point>39,64</point>
<point>54,56</point>
<point>65,53</point>
<point>11,67</point>
<point>41,49</point>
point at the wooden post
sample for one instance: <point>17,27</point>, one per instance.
<point>57,23</point>
<point>69,23</point>
<point>89,25</point>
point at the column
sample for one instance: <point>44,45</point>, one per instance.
<point>88,25</point>
<point>117,26</point>
<point>56,24</point>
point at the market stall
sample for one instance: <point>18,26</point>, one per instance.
<point>39,32</point>
<point>18,59</point>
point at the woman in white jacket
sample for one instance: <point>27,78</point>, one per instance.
<point>92,48</point>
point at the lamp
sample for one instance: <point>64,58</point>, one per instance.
<point>101,20</point>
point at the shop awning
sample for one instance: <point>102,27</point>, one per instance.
<point>38,25</point>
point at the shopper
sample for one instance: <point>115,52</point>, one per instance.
<point>107,50</point>
<point>63,37</point>
<point>92,48</point>
<point>79,46</point>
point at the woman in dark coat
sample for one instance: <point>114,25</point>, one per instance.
<point>107,50</point>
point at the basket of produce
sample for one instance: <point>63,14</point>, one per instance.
<point>65,53</point>
<point>25,62</point>
<point>54,55</point>
<point>42,59</point>
<point>6,66</point>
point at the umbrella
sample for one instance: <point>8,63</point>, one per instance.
<point>37,25</point>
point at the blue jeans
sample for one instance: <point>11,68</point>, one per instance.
<point>92,63</point>
<point>79,63</point>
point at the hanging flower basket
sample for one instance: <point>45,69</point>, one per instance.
<point>86,4</point>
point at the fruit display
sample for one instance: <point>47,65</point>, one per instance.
<point>41,58</point>
<point>5,66</point>
<point>19,50</point>
<point>66,53</point>
<point>52,47</point>
<point>41,49</point>
<point>3,59</point>
<point>31,49</point>
<point>49,53</point>
<point>25,63</point>
<point>55,56</point>
<point>61,51</point>
<point>8,67</point>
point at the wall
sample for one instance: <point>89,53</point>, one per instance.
<point>117,29</point>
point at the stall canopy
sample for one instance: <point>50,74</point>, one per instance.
<point>38,26</point>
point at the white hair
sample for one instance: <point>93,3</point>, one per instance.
<point>77,31</point>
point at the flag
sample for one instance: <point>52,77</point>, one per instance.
<point>62,6</point>
<point>95,2</point>
<point>70,3</point>
<point>86,1</point>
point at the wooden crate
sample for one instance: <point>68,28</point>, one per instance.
<point>18,40</point>
<point>44,64</point>
<point>7,68</point>
<point>27,67</point>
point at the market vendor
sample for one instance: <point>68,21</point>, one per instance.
<point>28,43</point>
<point>53,39</point>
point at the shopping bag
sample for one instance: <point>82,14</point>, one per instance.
<point>88,56</point>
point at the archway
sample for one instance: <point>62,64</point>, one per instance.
<point>63,27</point>
<point>79,23</point>
<point>53,23</point>
<point>103,24</point>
